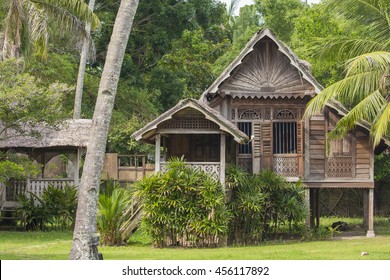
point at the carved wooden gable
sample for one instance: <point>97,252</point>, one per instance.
<point>266,72</point>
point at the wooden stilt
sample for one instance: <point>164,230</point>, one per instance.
<point>317,206</point>
<point>370,231</point>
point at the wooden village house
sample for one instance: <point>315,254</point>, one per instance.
<point>252,115</point>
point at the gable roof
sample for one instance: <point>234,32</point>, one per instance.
<point>245,57</point>
<point>149,130</point>
<point>70,133</point>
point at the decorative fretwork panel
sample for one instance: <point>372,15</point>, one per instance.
<point>245,163</point>
<point>245,114</point>
<point>285,114</point>
<point>339,167</point>
<point>267,115</point>
<point>212,168</point>
<point>189,123</point>
<point>286,166</point>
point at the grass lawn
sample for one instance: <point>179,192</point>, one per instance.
<point>56,245</point>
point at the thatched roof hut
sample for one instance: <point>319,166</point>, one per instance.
<point>70,133</point>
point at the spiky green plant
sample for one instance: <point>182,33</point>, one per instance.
<point>111,215</point>
<point>183,206</point>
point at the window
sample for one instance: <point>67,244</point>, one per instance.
<point>245,127</point>
<point>342,147</point>
<point>285,137</point>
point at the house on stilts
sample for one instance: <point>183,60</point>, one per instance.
<point>252,115</point>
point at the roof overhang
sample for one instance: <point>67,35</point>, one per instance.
<point>148,132</point>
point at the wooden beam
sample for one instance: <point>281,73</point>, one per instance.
<point>157,154</point>
<point>222,160</point>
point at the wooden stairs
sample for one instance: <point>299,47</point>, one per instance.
<point>134,213</point>
<point>9,215</point>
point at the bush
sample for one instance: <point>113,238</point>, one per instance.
<point>112,214</point>
<point>261,203</point>
<point>55,207</point>
<point>183,207</point>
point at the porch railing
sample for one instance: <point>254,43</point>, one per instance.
<point>35,186</point>
<point>212,168</point>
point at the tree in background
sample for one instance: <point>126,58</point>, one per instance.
<point>25,27</point>
<point>365,88</point>
<point>25,102</point>
<point>279,15</point>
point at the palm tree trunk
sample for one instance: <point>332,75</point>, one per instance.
<point>83,63</point>
<point>85,238</point>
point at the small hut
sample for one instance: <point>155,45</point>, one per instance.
<point>43,144</point>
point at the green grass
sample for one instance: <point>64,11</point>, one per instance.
<point>56,245</point>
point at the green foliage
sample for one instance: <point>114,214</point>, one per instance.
<point>33,211</point>
<point>186,71</point>
<point>112,208</point>
<point>261,203</point>
<point>382,168</point>
<point>365,51</point>
<point>25,101</point>
<point>55,207</point>
<point>279,15</point>
<point>25,28</point>
<point>183,207</point>
<point>16,166</point>
<point>120,140</point>
<point>60,205</point>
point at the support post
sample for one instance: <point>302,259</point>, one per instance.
<point>158,151</point>
<point>312,209</point>
<point>307,202</point>
<point>76,165</point>
<point>317,208</point>
<point>370,231</point>
<point>365,208</point>
<point>222,160</point>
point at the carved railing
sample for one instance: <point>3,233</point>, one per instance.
<point>339,167</point>
<point>287,165</point>
<point>212,168</point>
<point>36,186</point>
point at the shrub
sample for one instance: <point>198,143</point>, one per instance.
<point>32,211</point>
<point>55,207</point>
<point>261,203</point>
<point>112,208</point>
<point>183,206</point>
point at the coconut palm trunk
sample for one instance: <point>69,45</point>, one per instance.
<point>83,64</point>
<point>85,238</point>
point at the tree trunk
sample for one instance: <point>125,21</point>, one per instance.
<point>85,239</point>
<point>83,63</point>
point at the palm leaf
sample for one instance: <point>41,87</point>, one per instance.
<point>380,127</point>
<point>366,110</point>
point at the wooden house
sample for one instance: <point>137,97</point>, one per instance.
<point>252,115</point>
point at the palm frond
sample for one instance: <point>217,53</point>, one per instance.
<point>375,61</point>
<point>363,11</point>
<point>342,48</point>
<point>381,128</point>
<point>36,29</point>
<point>78,8</point>
<point>366,110</point>
<point>349,89</point>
